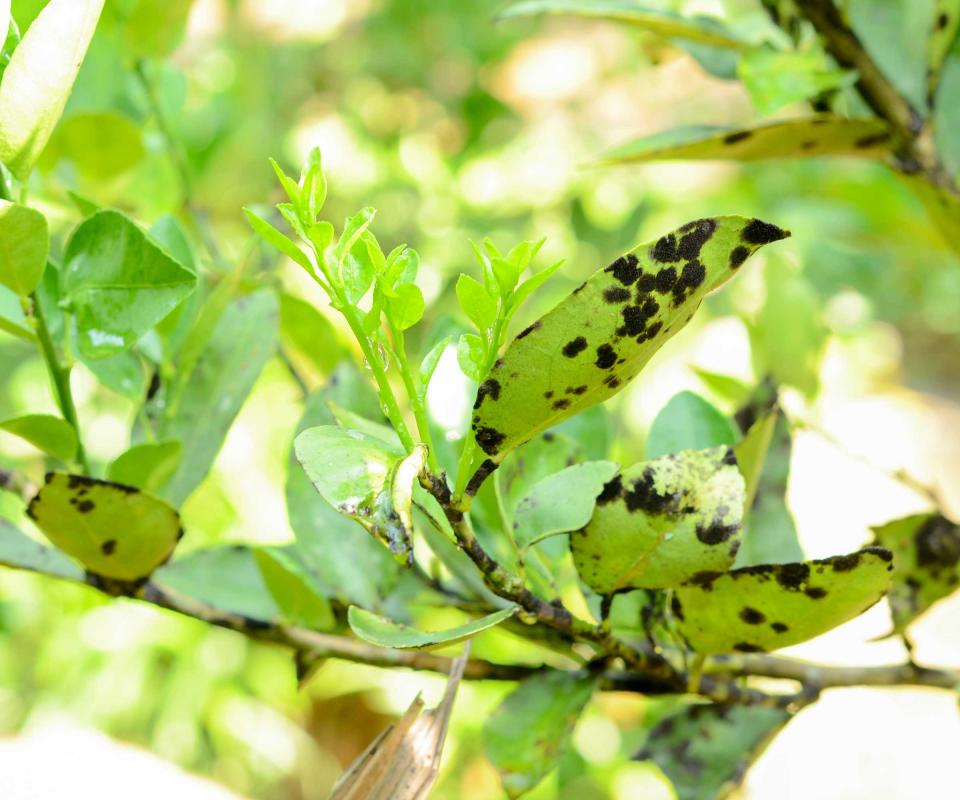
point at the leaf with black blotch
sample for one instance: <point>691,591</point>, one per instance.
<point>769,606</point>
<point>926,561</point>
<point>805,137</point>
<point>600,337</point>
<point>660,522</point>
<point>705,750</point>
<point>943,34</point>
<point>383,632</point>
<point>114,530</point>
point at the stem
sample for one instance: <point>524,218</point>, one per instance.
<point>413,393</point>
<point>60,377</point>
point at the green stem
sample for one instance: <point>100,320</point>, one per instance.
<point>416,401</point>
<point>60,377</point>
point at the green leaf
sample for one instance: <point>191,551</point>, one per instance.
<point>101,145</point>
<point>4,19</point>
<point>113,530</point>
<point>23,254</point>
<point>39,77</point>
<point>752,452</point>
<point>355,568</point>
<point>769,606</point>
<point>403,263</point>
<point>309,338</point>
<point>290,186</point>
<point>154,28</point>
<point>530,285</point>
<point>598,338</point>
<point>225,578</point>
<point>506,274</point>
<point>357,267</point>
<point>943,34</point>
<point>705,750</point>
<point>118,283</point>
<point>662,23</point>
<point>51,434</point>
<point>819,135</point>
<point>661,522</point>
<point>688,422</point>
<point>124,373</point>
<point>170,234</point>
<point>530,731</point>
<point>561,502</point>
<point>430,361</point>
<point>405,309</point>
<point>296,590</point>
<point>209,396</point>
<point>313,188</point>
<point>279,241</point>
<point>146,466</point>
<point>926,557</point>
<point>471,353</point>
<point>777,78</point>
<point>19,551</point>
<point>354,473</point>
<point>12,319</point>
<point>386,633</point>
<point>480,307</point>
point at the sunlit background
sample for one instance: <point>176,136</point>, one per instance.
<point>454,127</point>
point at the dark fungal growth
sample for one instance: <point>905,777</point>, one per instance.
<point>574,347</point>
<point>738,255</point>
<point>751,616</point>
<point>746,647</point>
<point>489,440</point>
<point>483,472</point>
<point>792,576</point>
<point>815,593</point>
<point>704,579</point>
<point>561,404</point>
<point>665,280</point>
<point>625,269</point>
<point>611,491</point>
<point>665,249</point>
<point>616,294</point>
<point>606,356</point>
<point>869,141</point>
<point>737,136</point>
<point>489,388</point>
<point>528,330</point>
<point>643,496</point>
<point>108,547</point>
<point>780,627</point>
<point>697,234</point>
<point>716,532</point>
<point>85,506</point>
<point>846,563</point>
<point>694,274</point>
<point>646,284</point>
<point>677,608</point>
<point>938,545</point>
<point>759,232</point>
<point>577,390</point>
<point>612,381</point>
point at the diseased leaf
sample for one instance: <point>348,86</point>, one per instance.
<point>146,466</point>
<point>530,731</point>
<point>51,434</point>
<point>296,590</point>
<point>705,750</point>
<point>114,530</point>
<point>19,551</point>
<point>39,77</point>
<point>769,606</point>
<point>946,21</point>
<point>118,283</point>
<point>384,632</point>
<point>598,338</point>
<point>226,578</point>
<point>663,23</point>
<point>661,522</point>
<point>687,422</point>
<point>561,502</point>
<point>805,137</point>
<point>210,395</point>
<point>25,243</point>
<point>926,557</point>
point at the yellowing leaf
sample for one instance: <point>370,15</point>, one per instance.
<point>114,530</point>
<point>598,338</point>
<point>770,606</point>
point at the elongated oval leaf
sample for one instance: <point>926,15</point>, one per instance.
<point>660,522</point>
<point>19,551</point>
<point>51,434</point>
<point>770,606</point>
<point>114,530</point>
<point>821,135</point>
<point>386,633</point>
<point>926,550</point>
<point>687,422</point>
<point>38,80</point>
<point>530,730</point>
<point>943,34</point>
<point>696,29</point>
<point>598,338</point>
<point>295,588</point>
<point>118,283</point>
<point>24,243</point>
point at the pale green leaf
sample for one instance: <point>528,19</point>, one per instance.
<point>101,144</point>
<point>24,243</point>
<point>19,551</point>
<point>39,77</point>
<point>777,78</point>
<point>770,606</point>
<point>309,338</point>
<point>661,522</point>
<point>114,530</point>
<point>384,632</point>
<point>51,434</point>
<point>480,307</point>
<point>313,187</point>
<point>688,422</point>
<point>155,27</point>
<point>12,319</point>
<point>600,337</point>
<point>405,309</point>
<point>430,361</point>
<point>146,466</point>
<point>296,590</point>
<point>471,352</point>
<point>279,241</point>
<point>943,34</point>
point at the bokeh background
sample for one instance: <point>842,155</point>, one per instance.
<point>455,126</point>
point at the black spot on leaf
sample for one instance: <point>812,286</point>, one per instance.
<point>612,489</point>
<point>746,647</point>
<point>694,273</point>
<point>616,294</point>
<point>873,139</point>
<point>698,233</point>
<point>606,356</point>
<point>792,576</point>
<point>108,547</point>
<point>574,347</point>
<point>562,403</point>
<point>85,506</point>
<point>738,255</point>
<point>716,532</point>
<point>759,232</point>
<point>665,249</point>
<point>489,388</point>
<point>528,330</point>
<point>489,440</point>
<point>677,608</point>
<point>751,616</point>
<point>737,136</point>
<point>643,495</point>
<point>815,593</point>
<point>780,627</point>
<point>665,280</point>
<point>625,269</point>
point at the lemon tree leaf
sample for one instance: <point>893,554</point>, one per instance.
<point>153,28</point>
<point>114,530</point>
<point>147,466</point>
<point>599,337</point>
<point>688,422</point>
<point>100,144</point>
<point>19,551</point>
<point>39,77</point>
<point>26,242</point>
<point>751,452</point>
<point>528,733</point>
<point>663,23</point>
<point>819,135</point>
<point>769,606</point>
<point>926,557</point>
<point>296,590</point>
<point>384,632</point>
<point>705,749</point>
<point>660,522</point>
<point>51,434</point>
